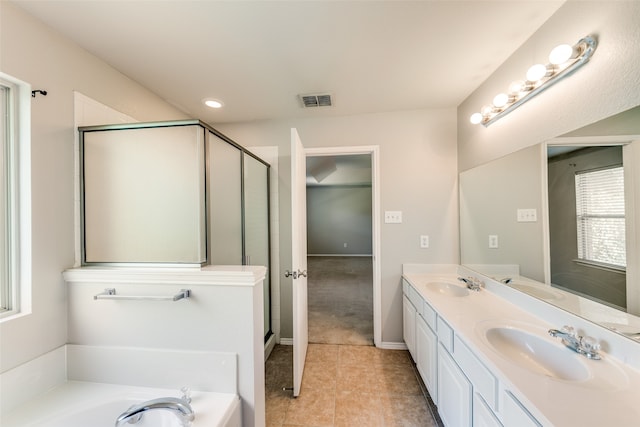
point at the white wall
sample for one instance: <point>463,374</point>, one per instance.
<point>418,176</point>
<point>608,84</point>
<point>32,52</point>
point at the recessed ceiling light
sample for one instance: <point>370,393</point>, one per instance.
<point>213,103</point>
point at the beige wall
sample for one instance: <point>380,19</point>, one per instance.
<point>339,216</point>
<point>608,84</point>
<point>33,53</point>
<point>418,176</point>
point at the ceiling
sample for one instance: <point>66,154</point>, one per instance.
<point>258,56</point>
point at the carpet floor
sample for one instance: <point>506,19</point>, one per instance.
<point>340,300</point>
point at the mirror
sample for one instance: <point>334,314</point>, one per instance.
<point>518,221</point>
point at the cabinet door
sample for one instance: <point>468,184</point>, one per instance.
<point>454,392</point>
<point>514,414</point>
<point>409,325</point>
<point>482,415</point>
<point>427,356</point>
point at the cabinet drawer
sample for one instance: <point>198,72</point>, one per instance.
<point>429,315</point>
<point>484,383</point>
<point>445,334</point>
<point>415,299</point>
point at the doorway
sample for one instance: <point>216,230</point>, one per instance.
<point>342,245</point>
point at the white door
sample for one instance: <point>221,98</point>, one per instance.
<point>299,258</point>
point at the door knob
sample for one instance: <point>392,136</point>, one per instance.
<point>293,274</point>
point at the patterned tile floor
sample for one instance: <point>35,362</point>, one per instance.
<point>347,385</point>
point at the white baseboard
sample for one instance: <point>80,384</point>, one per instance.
<point>392,345</point>
<point>286,341</point>
<point>343,255</point>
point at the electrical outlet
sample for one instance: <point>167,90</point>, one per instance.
<point>424,241</point>
<point>493,241</point>
<point>345,245</point>
<point>393,217</point>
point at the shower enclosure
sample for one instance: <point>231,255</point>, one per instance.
<point>178,194</point>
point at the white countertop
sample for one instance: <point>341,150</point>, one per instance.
<point>609,397</point>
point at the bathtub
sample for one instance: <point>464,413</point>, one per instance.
<point>83,404</point>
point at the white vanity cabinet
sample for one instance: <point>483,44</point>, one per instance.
<point>465,391</point>
<point>409,325</point>
<point>454,392</point>
<point>427,353</point>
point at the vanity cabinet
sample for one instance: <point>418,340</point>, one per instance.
<point>427,356</point>
<point>466,392</point>
<point>409,325</point>
<point>454,392</point>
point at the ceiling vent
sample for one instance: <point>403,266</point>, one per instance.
<point>316,100</point>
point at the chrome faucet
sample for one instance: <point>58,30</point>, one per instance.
<point>472,283</point>
<point>180,407</point>
<point>587,346</point>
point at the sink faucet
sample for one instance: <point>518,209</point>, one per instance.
<point>472,283</point>
<point>506,280</point>
<point>587,346</point>
<point>180,407</point>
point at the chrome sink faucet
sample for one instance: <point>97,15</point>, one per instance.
<point>472,283</point>
<point>587,346</point>
<point>180,407</point>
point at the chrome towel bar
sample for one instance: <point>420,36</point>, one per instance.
<point>110,293</point>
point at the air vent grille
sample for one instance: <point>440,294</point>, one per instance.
<point>316,100</point>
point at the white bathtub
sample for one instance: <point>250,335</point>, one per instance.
<point>84,404</point>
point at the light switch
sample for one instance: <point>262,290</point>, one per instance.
<point>527,215</point>
<point>393,217</point>
<point>493,241</point>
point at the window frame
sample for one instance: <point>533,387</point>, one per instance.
<point>581,232</point>
<point>16,188</point>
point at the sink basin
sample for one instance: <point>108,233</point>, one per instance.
<point>535,354</point>
<point>448,289</point>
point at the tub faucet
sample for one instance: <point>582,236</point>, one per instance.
<point>180,407</point>
<point>587,346</point>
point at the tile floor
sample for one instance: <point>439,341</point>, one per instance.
<point>346,385</point>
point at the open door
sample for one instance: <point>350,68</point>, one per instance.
<point>298,258</point>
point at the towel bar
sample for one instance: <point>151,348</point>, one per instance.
<point>110,293</point>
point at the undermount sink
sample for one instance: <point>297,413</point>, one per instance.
<point>448,289</point>
<point>536,354</point>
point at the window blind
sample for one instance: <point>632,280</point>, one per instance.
<point>600,216</point>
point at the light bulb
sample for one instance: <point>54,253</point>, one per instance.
<point>486,110</point>
<point>561,54</point>
<point>536,72</point>
<point>476,118</point>
<point>517,87</point>
<point>500,100</point>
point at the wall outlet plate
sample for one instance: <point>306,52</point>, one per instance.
<point>424,241</point>
<point>493,241</point>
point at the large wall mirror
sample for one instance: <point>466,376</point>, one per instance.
<point>558,220</point>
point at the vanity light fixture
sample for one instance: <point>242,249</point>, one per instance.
<point>213,103</point>
<point>563,60</point>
